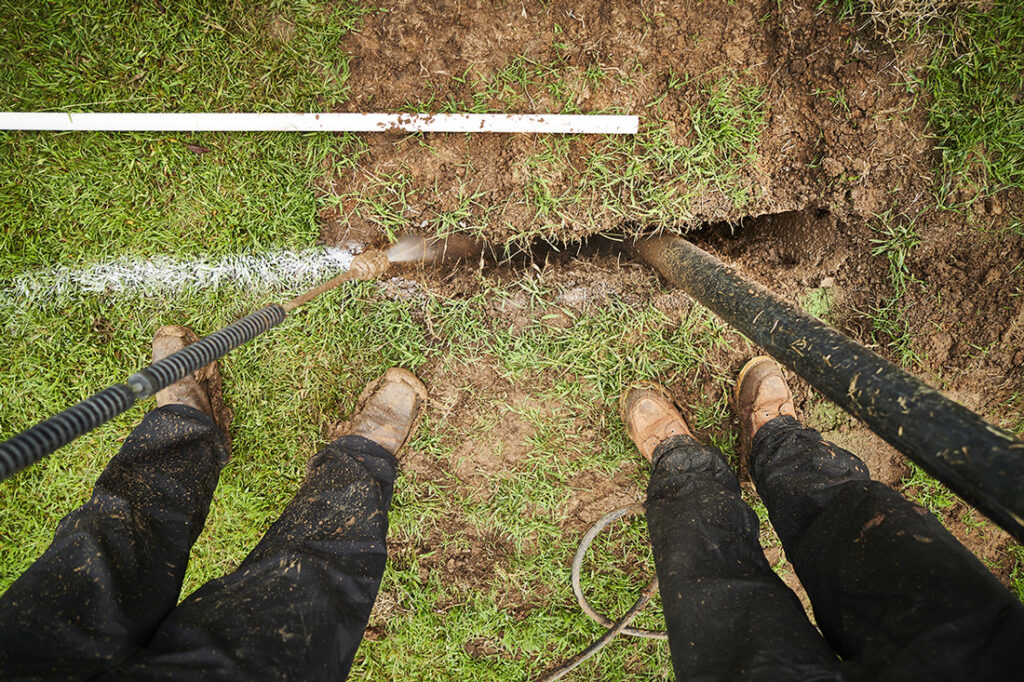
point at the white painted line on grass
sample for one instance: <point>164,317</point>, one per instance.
<point>163,275</point>
<point>597,124</point>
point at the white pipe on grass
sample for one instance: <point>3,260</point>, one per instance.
<point>596,124</point>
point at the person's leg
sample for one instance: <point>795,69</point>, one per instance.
<point>728,615</point>
<point>894,593</point>
<point>115,566</point>
<point>297,606</point>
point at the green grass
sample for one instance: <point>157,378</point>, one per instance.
<point>817,301</point>
<point>926,491</point>
<point>973,77</point>
<point>186,56</point>
<point>89,196</point>
<point>654,179</point>
<point>897,237</point>
<point>1015,554</point>
<point>76,199</point>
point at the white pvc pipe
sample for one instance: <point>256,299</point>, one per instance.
<point>406,123</point>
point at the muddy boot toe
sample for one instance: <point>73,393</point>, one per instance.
<point>762,394</point>
<point>650,417</point>
<point>201,389</point>
<point>168,340</point>
<point>389,409</point>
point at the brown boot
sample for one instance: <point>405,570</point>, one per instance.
<point>202,389</point>
<point>389,409</point>
<point>761,395</point>
<point>650,417</point>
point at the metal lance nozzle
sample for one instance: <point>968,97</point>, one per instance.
<point>412,249</point>
<point>39,441</point>
<point>367,265</point>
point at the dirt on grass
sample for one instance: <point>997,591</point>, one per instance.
<point>838,132</point>
<point>841,193</point>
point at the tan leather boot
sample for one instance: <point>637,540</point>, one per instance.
<point>389,409</point>
<point>761,395</point>
<point>170,339</point>
<point>650,417</point>
<point>202,389</point>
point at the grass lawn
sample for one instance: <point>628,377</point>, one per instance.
<point>77,199</point>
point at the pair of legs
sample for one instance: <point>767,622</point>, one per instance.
<point>103,600</point>
<point>895,596</point>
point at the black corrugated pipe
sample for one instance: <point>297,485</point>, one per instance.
<point>980,462</point>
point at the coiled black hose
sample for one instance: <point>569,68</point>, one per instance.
<point>29,447</point>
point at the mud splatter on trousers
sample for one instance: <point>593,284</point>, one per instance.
<point>102,601</point>
<point>895,596</point>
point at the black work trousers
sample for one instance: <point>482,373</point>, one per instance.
<point>102,602</point>
<point>895,595</point>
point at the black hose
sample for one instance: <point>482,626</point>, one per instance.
<point>980,462</point>
<point>29,447</point>
<point>177,366</point>
<point>32,445</point>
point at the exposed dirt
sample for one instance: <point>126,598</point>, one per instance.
<point>843,141</point>
<point>839,134</point>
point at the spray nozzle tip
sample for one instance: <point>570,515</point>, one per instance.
<point>411,248</point>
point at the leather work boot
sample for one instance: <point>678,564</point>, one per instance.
<point>650,417</point>
<point>761,395</point>
<point>389,409</point>
<point>202,389</point>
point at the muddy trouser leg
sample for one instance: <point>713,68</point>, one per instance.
<point>115,566</point>
<point>297,606</point>
<point>893,592</point>
<point>729,616</point>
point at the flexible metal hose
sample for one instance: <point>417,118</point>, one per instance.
<point>177,366</point>
<point>46,437</point>
<point>30,446</point>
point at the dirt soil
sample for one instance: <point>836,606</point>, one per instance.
<point>849,155</point>
<point>825,171</point>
